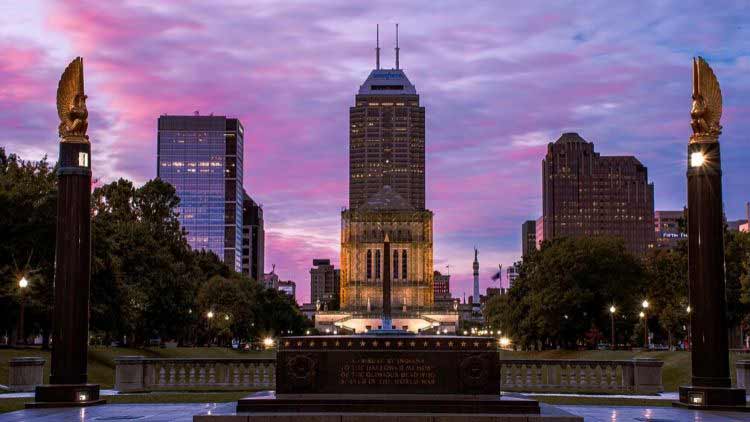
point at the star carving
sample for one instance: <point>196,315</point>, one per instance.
<point>375,343</point>
<point>387,344</point>
<point>463,344</point>
<point>336,344</point>
<point>476,344</point>
<point>437,344</point>
<point>286,344</point>
<point>400,343</point>
<point>312,343</point>
<point>299,344</point>
<point>349,344</point>
<point>324,344</point>
<point>450,344</point>
<point>413,343</point>
<point>362,343</point>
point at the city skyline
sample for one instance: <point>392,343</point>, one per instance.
<point>490,114</point>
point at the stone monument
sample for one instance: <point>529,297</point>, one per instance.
<point>387,371</point>
<point>711,382</point>
<point>68,377</point>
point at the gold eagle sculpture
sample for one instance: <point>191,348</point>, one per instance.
<point>705,112</point>
<point>71,102</point>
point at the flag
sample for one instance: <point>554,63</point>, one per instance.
<point>499,274</point>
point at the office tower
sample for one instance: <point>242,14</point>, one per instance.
<point>386,196</point>
<point>528,237</point>
<point>325,284</point>
<point>442,285</point>
<point>539,227</point>
<point>585,194</point>
<point>667,228</point>
<point>288,287</point>
<point>253,238</point>
<point>201,156</point>
<point>512,273</point>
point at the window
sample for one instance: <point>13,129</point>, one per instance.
<point>377,263</point>
<point>395,265</point>
<point>369,263</point>
<point>403,264</point>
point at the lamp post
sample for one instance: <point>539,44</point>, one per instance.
<point>209,316</point>
<point>688,309</point>
<point>711,384</point>
<point>612,310</point>
<point>22,284</point>
<point>644,305</point>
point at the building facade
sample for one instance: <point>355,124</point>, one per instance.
<point>289,288</point>
<point>442,286</point>
<point>528,237</point>
<point>253,238</point>
<point>512,273</point>
<point>325,284</point>
<point>586,194</point>
<point>667,228</point>
<point>387,200</point>
<point>201,156</point>
<point>539,228</point>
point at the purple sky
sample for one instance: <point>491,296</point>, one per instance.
<point>498,83</point>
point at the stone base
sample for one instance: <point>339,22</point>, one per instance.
<point>66,395</point>
<point>712,398</point>
<point>269,402</point>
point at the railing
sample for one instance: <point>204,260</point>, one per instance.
<point>637,375</point>
<point>138,374</point>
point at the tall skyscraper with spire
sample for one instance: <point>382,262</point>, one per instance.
<point>475,298</point>
<point>387,199</point>
<point>387,137</point>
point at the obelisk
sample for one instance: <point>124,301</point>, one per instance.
<point>68,373</point>
<point>711,382</point>
<point>387,320</point>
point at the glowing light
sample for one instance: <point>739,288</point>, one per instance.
<point>226,317</point>
<point>697,159</point>
<point>612,309</point>
<point>504,342</point>
<point>307,332</point>
<point>23,283</point>
<point>641,314</point>
<point>268,342</point>
<point>210,314</point>
<point>83,396</point>
<point>689,309</point>
<point>645,304</point>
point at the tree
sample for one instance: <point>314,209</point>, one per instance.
<point>564,291</point>
<point>667,285</point>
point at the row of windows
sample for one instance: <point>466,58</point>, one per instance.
<point>395,266</point>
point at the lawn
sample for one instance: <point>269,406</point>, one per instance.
<point>102,359</point>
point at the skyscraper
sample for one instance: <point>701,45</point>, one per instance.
<point>387,138</point>
<point>201,156</point>
<point>528,237</point>
<point>253,238</point>
<point>585,194</point>
<point>386,196</point>
<point>325,283</point>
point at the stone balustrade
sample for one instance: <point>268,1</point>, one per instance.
<point>24,374</point>
<point>611,376</point>
<point>139,374</point>
<point>743,374</point>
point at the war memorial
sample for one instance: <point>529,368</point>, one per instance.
<point>390,373</point>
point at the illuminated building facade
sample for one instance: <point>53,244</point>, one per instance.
<point>253,238</point>
<point>201,156</point>
<point>667,228</point>
<point>585,194</point>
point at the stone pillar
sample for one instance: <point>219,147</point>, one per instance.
<point>647,375</point>
<point>25,373</point>
<point>129,374</point>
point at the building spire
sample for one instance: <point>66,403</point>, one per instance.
<point>377,46</point>
<point>397,49</point>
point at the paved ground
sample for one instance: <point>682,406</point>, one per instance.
<point>185,412</point>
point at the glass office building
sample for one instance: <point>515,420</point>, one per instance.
<point>201,156</point>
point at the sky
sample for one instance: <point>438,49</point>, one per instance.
<point>499,80</point>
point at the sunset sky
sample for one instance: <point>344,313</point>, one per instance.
<point>498,81</point>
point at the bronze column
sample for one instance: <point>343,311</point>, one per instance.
<point>68,376</point>
<point>711,382</point>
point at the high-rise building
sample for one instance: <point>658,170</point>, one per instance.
<point>667,228</point>
<point>528,237</point>
<point>387,139</point>
<point>201,156</point>
<point>585,194</point>
<point>386,196</point>
<point>253,238</point>
<point>539,227</point>
<point>325,283</point>
<point>271,280</point>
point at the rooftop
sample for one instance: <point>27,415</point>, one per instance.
<point>387,82</point>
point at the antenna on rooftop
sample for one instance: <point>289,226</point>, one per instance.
<point>377,47</point>
<point>397,46</point>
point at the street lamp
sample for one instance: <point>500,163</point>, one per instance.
<point>23,283</point>
<point>644,304</point>
<point>612,310</point>
<point>210,314</point>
